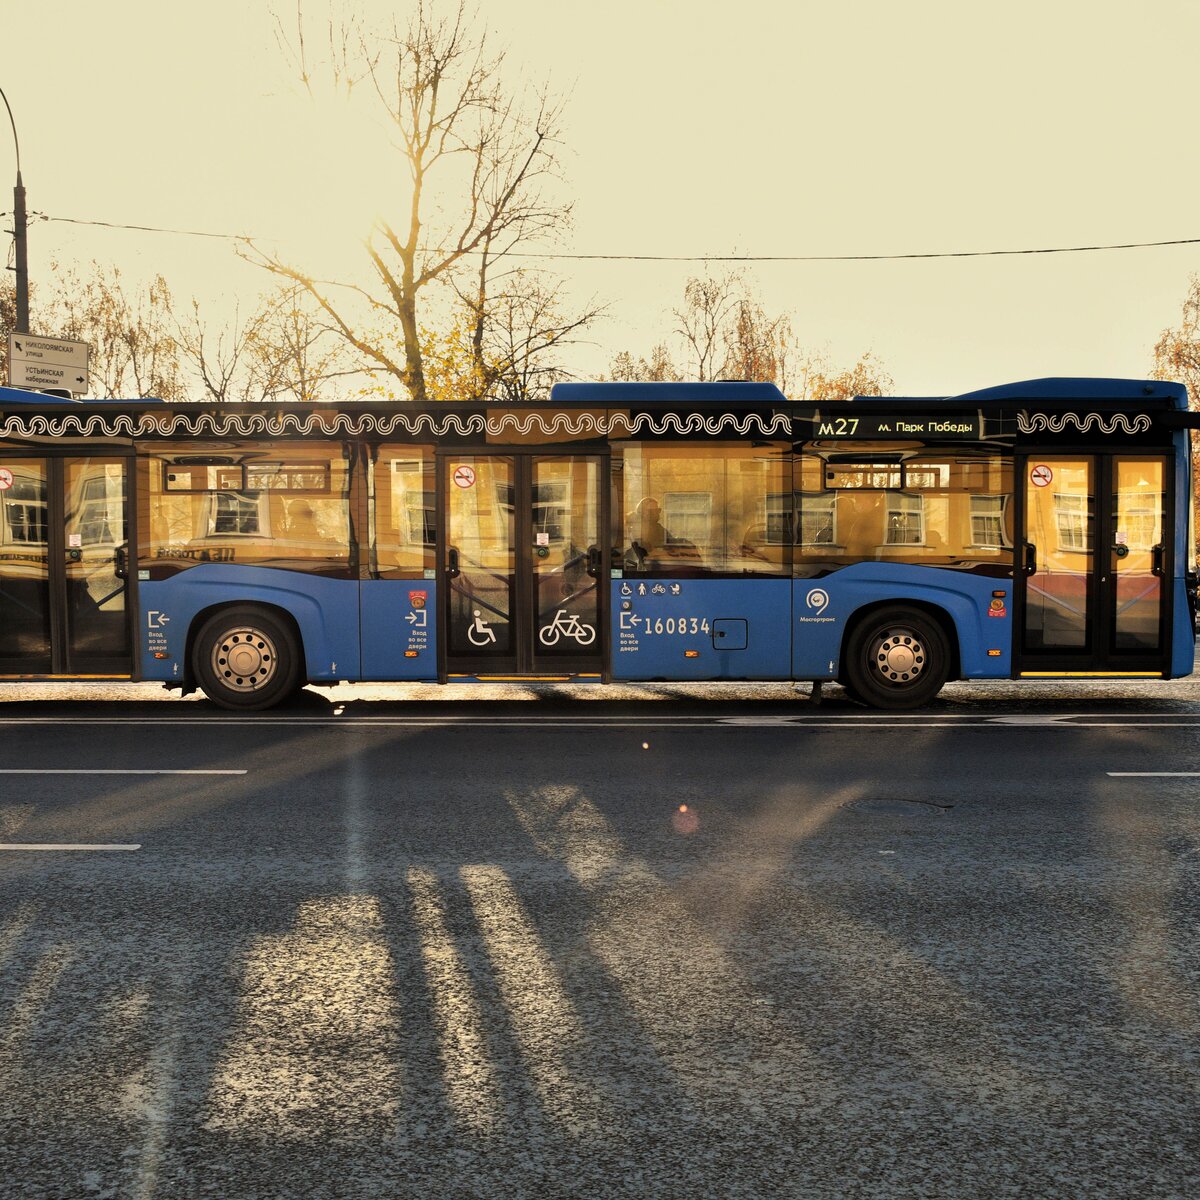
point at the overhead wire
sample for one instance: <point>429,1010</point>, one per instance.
<point>564,256</point>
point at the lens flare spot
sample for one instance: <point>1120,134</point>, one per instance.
<point>645,745</point>
<point>684,821</point>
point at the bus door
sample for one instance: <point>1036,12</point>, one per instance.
<point>64,567</point>
<point>1093,564</point>
<point>522,564</point>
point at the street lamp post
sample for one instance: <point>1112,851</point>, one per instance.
<point>19,241</point>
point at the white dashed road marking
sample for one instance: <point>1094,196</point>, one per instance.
<point>68,846</point>
<point>81,771</point>
<point>1154,774</point>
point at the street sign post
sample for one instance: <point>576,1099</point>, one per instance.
<point>41,362</point>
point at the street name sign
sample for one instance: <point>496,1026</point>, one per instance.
<point>42,362</point>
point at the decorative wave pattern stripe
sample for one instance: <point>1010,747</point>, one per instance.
<point>684,423</point>
<point>1082,423</point>
<point>304,424</point>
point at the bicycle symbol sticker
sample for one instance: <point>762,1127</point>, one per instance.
<point>464,476</point>
<point>566,624</point>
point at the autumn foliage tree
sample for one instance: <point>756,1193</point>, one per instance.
<point>1177,351</point>
<point>143,345</point>
<point>1177,357</point>
<point>8,322</point>
<point>130,328</point>
<point>821,381</point>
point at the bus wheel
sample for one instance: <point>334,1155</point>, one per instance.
<point>897,658</point>
<point>245,658</point>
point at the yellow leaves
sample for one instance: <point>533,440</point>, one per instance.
<point>1177,352</point>
<point>867,377</point>
<point>453,370</point>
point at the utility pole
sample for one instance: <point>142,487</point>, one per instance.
<point>20,244</point>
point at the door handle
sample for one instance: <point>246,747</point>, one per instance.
<point>1159,553</point>
<point>1030,564</point>
<point>121,562</point>
<point>452,571</point>
<point>593,561</point>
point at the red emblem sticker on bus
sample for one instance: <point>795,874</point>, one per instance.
<point>417,599</point>
<point>997,609</point>
<point>1041,475</point>
<point>6,479</point>
<point>464,476</point>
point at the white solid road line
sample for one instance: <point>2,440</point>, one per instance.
<point>69,846</point>
<point>1154,774</point>
<point>956,721</point>
<point>679,720</point>
<point>90,771</point>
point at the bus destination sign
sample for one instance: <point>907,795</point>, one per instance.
<point>953,426</point>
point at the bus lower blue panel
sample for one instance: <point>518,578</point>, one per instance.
<point>1183,635</point>
<point>824,606</point>
<point>399,629</point>
<point>325,610</point>
<point>696,629</point>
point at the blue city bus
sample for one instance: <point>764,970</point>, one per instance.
<point>617,532</point>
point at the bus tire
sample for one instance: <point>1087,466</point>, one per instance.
<point>897,658</point>
<point>246,658</point>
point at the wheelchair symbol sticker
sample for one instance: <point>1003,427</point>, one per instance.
<point>480,633</point>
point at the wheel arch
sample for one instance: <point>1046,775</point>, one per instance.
<point>204,615</point>
<point>937,612</point>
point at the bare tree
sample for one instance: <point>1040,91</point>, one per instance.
<point>707,305</point>
<point>488,155</point>
<point>223,359</point>
<point>724,332</point>
<point>278,352</point>
<point>525,324</point>
<point>757,346</point>
<point>295,355</point>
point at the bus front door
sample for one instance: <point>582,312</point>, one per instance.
<point>522,562</point>
<point>64,567</point>
<point>1092,565</point>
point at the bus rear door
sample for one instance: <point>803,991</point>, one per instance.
<point>1093,564</point>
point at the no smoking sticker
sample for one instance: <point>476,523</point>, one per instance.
<point>1041,475</point>
<point>6,479</point>
<point>464,476</point>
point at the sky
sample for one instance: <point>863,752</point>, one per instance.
<point>691,128</point>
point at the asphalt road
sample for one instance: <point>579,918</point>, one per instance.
<point>569,945</point>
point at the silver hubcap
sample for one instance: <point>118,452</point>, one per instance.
<point>899,656</point>
<point>245,659</point>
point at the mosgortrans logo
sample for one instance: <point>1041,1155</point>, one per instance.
<point>817,602</point>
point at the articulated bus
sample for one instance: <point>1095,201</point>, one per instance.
<point>617,532</point>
